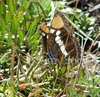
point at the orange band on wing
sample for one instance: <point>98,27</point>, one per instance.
<point>57,22</point>
<point>44,27</point>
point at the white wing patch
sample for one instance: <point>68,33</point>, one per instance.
<point>52,31</point>
<point>43,34</point>
<point>57,38</point>
<point>63,50</point>
<point>47,36</point>
<point>60,43</point>
<point>58,32</point>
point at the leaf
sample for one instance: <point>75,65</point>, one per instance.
<point>27,25</point>
<point>14,25</point>
<point>3,31</point>
<point>11,7</point>
<point>20,35</point>
<point>9,39</point>
<point>8,17</point>
<point>4,58</point>
<point>46,4</point>
<point>2,9</point>
<point>32,28</point>
<point>34,41</point>
<point>63,69</point>
<point>20,17</point>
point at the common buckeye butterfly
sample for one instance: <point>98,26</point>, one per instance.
<point>58,40</point>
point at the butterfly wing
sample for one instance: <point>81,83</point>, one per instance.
<point>58,40</point>
<point>63,31</point>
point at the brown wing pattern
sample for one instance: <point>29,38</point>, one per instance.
<point>58,39</point>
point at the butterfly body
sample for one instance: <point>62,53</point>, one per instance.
<point>58,40</point>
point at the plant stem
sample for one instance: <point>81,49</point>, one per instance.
<point>12,69</point>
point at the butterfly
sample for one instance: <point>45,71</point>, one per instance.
<point>58,40</point>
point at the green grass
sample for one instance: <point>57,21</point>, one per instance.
<point>21,56</point>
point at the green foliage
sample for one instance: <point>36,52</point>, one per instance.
<point>19,20</point>
<point>20,46</point>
